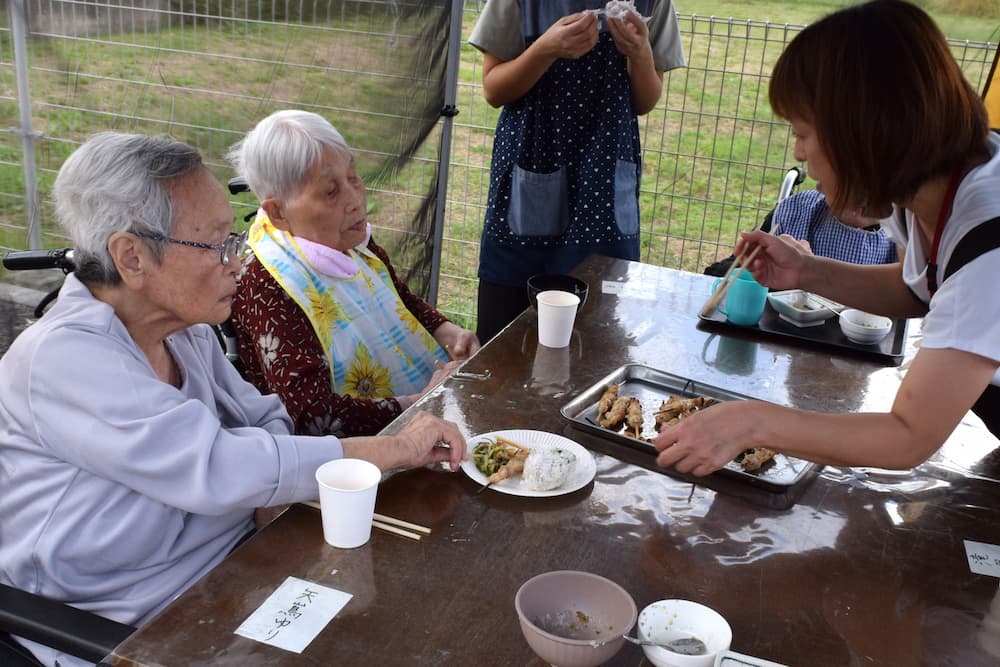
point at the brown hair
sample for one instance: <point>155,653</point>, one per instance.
<point>887,100</point>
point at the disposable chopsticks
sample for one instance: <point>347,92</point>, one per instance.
<point>793,177</point>
<point>739,264</point>
<point>402,524</point>
<point>390,524</point>
<point>720,293</point>
<point>397,531</point>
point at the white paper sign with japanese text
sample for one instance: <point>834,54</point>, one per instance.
<point>983,558</point>
<point>294,614</point>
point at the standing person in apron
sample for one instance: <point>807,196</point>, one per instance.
<point>564,180</point>
<point>916,138</point>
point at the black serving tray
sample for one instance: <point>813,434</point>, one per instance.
<point>652,387</point>
<point>890,349</point>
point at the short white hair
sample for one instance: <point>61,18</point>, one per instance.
<point>275,156</point>
<point>112,183</point>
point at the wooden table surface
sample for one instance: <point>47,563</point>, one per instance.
<point>852,567</point>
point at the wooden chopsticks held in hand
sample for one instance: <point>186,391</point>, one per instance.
<point>720,293</point>
<point>793,177</point>
<point>739,264</point>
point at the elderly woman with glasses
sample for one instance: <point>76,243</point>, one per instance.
<point>132,453</point>
<point>321,317</point>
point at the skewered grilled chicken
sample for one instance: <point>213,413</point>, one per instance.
<point>633,417</point>
<point>615,417</point>
<point>607,400</point>
<point>514,466</point>
<point>754,458</point>
<point>676,408</point>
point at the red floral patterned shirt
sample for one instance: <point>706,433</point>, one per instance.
<point>280,354</point>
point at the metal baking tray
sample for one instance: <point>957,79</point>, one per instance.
<point>890,349</point>
<point>652,387</point>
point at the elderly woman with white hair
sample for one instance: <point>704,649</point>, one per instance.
<point>132,453</point>
<point>321,317</point>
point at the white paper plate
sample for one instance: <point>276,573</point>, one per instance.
<point>584,470</point>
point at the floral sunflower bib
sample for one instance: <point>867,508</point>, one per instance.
<point>374,345</point>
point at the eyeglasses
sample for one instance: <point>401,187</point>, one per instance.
<point>235,244</point>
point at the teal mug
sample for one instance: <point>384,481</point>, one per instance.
<point>744,302</point>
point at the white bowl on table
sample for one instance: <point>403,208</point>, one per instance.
<point>800,308</point>
<point>666,620</point>
<point>864,328</point>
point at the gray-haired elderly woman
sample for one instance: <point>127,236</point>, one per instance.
<point>321,317</point>
<point>132,454</point>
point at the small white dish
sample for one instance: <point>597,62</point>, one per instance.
<point>800,308</point>
<point>665,620</point>
<point>864,328</point>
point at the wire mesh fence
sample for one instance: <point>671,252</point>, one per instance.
<point>205,71</point>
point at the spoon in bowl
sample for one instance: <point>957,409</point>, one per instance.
<point>683,645</point>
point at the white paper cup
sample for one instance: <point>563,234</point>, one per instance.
<point>347,489</point>
<point>556,314</point>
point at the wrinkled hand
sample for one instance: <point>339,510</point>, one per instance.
<point>709,439</point>
<point>631,35</point>
<point>778,264</point>
<point>428,439</point>
<point>571,36</point>
<point>459,343</point>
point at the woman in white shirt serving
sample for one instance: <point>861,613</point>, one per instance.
<point>887,124</point>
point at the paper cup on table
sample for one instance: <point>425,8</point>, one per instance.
<point>347,489</point>
<point>556,314</point>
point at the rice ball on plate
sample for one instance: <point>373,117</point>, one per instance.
<point>546,469</point>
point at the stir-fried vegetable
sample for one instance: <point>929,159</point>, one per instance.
<point>489,456</point>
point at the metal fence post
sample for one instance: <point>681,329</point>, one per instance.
<point>19,28</point>
<point>448,111</point>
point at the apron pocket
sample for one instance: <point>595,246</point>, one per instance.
<point>538,203</point>
<point>626,197</point>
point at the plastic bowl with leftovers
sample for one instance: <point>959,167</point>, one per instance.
<point>667,620</point>
<point>864,328</point>
<point>574,619</point>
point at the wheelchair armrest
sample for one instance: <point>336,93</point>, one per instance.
<point>61,626</point>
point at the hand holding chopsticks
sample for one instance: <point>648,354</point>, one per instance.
<point>727,281</point>
<point>739,265</point>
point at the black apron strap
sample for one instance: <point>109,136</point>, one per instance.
<point>987,408</point>
<point>982,239</point>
